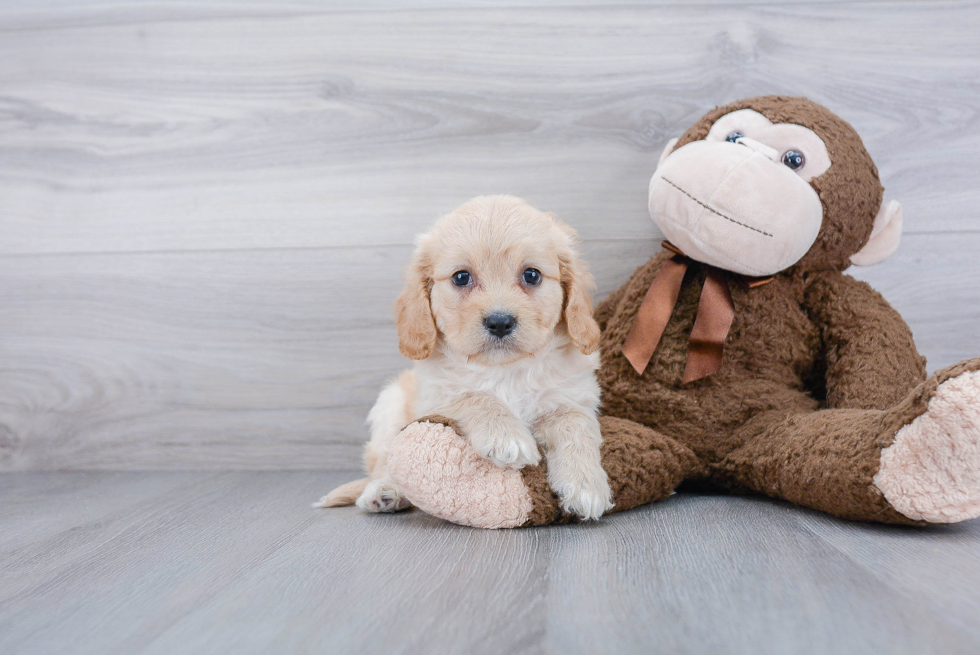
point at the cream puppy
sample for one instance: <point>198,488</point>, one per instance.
<point>497,313</point>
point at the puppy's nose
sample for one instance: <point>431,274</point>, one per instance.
<point>499,324</point>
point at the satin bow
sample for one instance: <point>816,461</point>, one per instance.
<point>716,311</point>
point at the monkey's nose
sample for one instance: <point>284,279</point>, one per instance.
<point>499,324</point>
<point>761,148</point>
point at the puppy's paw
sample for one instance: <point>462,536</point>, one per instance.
<point>507,449</point>
<point>585,494</point>
<point>382,496</point>
<point>587,505</point>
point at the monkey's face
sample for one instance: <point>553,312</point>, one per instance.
<point>741,198</point>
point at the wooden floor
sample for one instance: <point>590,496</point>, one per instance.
<point>206,562</point>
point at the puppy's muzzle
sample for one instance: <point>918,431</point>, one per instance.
<point>499,324</point>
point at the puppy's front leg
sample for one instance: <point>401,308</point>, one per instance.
<point>572,440</point>
<point>495,432</point>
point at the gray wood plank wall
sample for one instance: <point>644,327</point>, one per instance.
<point>204,209</point>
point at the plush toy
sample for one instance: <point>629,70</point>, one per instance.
<point>741,356</point>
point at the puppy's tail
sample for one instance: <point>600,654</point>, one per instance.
<point>343,495</point>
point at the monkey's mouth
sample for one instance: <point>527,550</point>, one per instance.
<point>715,211</point>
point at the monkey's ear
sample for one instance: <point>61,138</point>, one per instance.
<point>885,236</point>
<point>413,311</point>
<point>667,150</point>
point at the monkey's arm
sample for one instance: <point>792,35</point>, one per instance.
<point>870,357</point>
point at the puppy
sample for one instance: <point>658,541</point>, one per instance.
<point>497,311</point>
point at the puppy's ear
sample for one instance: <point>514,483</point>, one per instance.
<point>413,311</point>
<point>577,283</point>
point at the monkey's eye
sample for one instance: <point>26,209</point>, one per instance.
<point>794,159</point>
<point>532,277</point>
<point>461,278</point>
<point>733,137</point>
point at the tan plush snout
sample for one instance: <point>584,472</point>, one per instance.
<point>735,206</point>
<point>757,146</point>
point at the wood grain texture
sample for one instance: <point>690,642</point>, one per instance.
<point>205,208</point>
<point>271,359</point>
<point>23,6</point>
<point>125,131</point>
<point>237,562</point>
<point>233,359</point>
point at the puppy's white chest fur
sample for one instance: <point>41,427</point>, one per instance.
<point>534,386</point>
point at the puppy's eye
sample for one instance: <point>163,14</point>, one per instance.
<point>532,276</point>
<point>461,278</point>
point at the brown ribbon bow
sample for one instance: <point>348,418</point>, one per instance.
<point>714,318</point>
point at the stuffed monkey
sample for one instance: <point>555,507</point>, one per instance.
<point>742,356</point>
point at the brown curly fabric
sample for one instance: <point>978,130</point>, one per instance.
<point>643,466</point>
<point>819,371</point>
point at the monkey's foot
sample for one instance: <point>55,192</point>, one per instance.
<point>932,470</point>
<point>441,474</point>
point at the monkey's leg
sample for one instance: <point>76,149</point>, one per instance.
<point>916,462</point>
<point>442,475</point>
